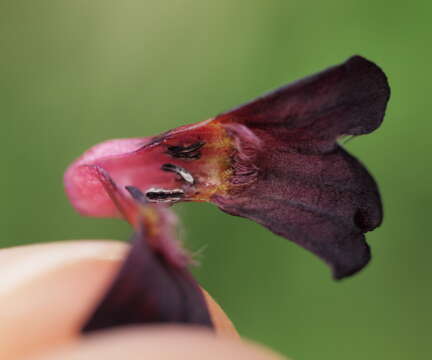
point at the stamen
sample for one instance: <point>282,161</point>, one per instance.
<point>164,195</point>
<point>137,194</point>
<point>186,152</point>
<point>183,173</point>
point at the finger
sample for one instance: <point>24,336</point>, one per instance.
<point>161,343</point>
<point>47,291</point>
<point>222,323</point>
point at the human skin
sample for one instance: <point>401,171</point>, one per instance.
<point>47,291</point>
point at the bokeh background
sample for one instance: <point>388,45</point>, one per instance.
<point>74,73</point>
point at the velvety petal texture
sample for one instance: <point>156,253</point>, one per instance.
<point>349,98</point>
<point>275,160</point>
<point>323,202</point>
<point>308,189</point>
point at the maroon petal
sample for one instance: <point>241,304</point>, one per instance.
<point>306,187</point>
<point>153,284</point>
<point>323,202</point>
<point>347,99</point>
<point>149,289</point>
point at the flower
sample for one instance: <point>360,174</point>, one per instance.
<point>274,160</point>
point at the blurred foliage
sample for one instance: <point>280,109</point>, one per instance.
<point>74,73</point>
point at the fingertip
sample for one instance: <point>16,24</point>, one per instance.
<point>223,325</point>
<point>161,343</point>
<point>50,290</point>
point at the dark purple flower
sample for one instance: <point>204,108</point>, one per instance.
<point>275,160</point>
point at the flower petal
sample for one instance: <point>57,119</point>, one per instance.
<point>323,202</point>
<point>149,289</point>
<point>307,188</point>
<point>153,284</point>
<point>347,99</point>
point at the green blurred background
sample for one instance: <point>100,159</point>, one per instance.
<point>74,73</point>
